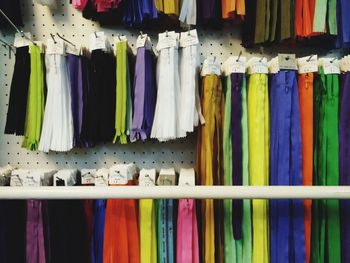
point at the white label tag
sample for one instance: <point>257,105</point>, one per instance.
<point>345,64</point>
<point>273,66</point>
<point>233,65</point>
<point>55,48</point>
<point>257,66</point>
<point>141,41</point>
<point>330,66</point>
<point>187,177</point>
<point>147,177</point>
<point>88,176</point>
<point>21,41</point>
<point>210,67</point>
<point>189,38</point>
<point>118,177</point>
<point>31,180</point>
<point>118,39</point>
<point>167,40</point>
<point>166,177</point>
<point>97,41</point>
<point>287,61</point>
<point>101,178</point>
<point>73,50</point>
<point>308,64</point>
<point>16,180</point>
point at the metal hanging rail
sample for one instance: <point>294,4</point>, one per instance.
<point>176,192</point>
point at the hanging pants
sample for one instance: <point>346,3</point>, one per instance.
<point>209,163</point>
<point>287,241</point>
<point>259,140</point>
<point>344,169</point>
<point>305,89</point>
<point>148,234</point>
<point>325,221</point>
<point>165,227</point>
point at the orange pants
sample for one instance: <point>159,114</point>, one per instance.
<point>121,234</point>
<point>305,86</point>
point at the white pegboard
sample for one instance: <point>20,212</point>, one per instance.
<point>67,21</point>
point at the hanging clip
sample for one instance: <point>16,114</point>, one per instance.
<point>166,33</point>
<point>308,60</point>
<point>53,38</point>
<point>141,34</point>
<point>261,59</point>
<point>118,36</point>
<point>96,36</point>
<point>334,59</point>
<point>65,39</point>
<point>239,56</point>
<point>189,30</point>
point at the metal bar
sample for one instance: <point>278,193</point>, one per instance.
<point>177,192</point>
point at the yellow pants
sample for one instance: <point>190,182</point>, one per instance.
<point>259,144</point>
<point>210,166</point>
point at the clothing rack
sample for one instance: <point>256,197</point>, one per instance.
<point>176,192</point>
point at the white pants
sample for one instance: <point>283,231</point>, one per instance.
<point>166,124</point>
<point>57,132</point>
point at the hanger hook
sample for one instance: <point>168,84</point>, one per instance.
<point>239,55</point>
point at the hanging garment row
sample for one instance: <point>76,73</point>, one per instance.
<point>37,231</point>
<point>100,96</point>
<point>282,128</point>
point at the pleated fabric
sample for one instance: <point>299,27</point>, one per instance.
<point>75,74</point>
<point>19,93</point>
<point>35,100</point>
<point>237,220</point>
<point>99,212</point>
<point>123,110</point>
<point>166,123</point>
<point>188,14</point>
<point>232,8</point>
<point>304,17</point>
<point>165,231</point>
<point>344,171</point>
<point>210,167</point>
<point>57,132</point>
<point>287,236</point>
<point>209,13</point>
<point>148,233</point>
<point>121,234</point>
<point>325,221</point>
<point>35,243</point>
<point>145,95</point>
<point>100,117</point>
<point>343,18</point>
<point>168,7</point>
<point>259,141</point>
<point>190,110</point>
<point>138,13</point>
<point>187,250</point>
<point>305,90</point>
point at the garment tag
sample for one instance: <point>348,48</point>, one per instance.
<point>211,67</point>
<point>167,177</point>
<point>330,66</point>
<point>118,176</point>
<point>234,65</point>
<point>141,40</point>
<point>120,38</point>
<point>273,65</point>
<point>88,176</point>
<point>345,64</point>
<point>55,48</point>
<point>167,40</point>
<point>189,38</point>
<point>21,41</point>
<point>73,50</point>
<point>32,179</point>
<point>147,177</point>
<point>101,177</point>
<point>308,64</point>
<point>17,177</point>
<point>257,66</point>
<point>287,61</point>
<point>187,177</point>
<point>98,41</point>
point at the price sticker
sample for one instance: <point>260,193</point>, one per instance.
<point>189,38</point>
